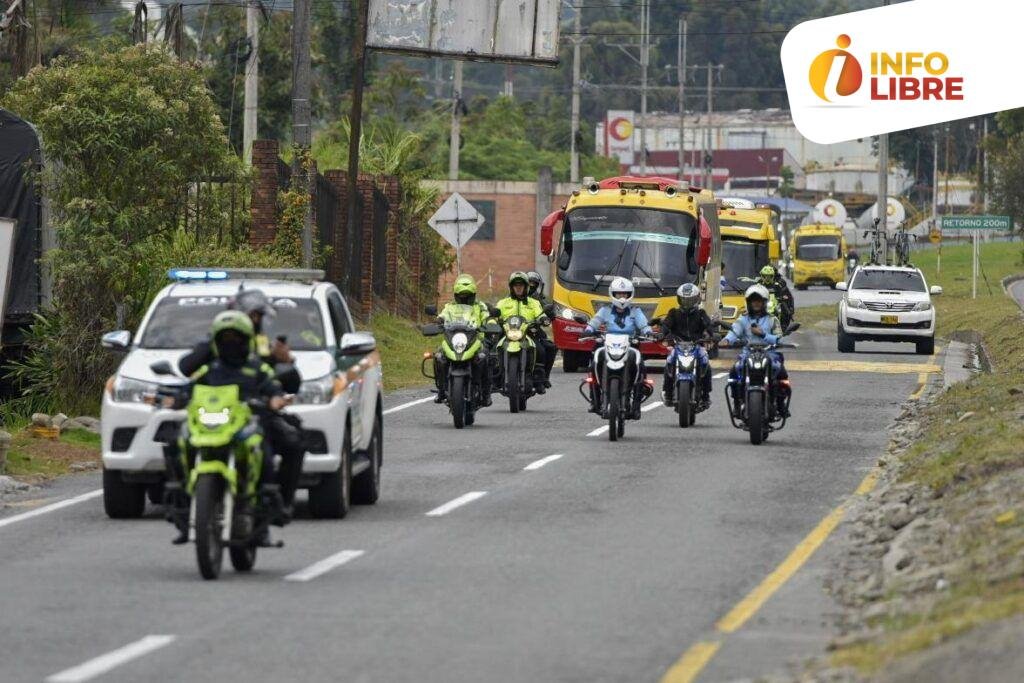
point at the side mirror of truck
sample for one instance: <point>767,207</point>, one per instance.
<point>357,343</point>
<point>120,340</point>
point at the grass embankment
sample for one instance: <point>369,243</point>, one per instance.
<point>401,349</point>
<point>35,460</point>
<point>971,456</point>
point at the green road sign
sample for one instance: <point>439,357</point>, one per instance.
<point>976,222</point>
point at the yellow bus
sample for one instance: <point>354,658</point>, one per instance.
<point>749,243</point>
<point>653,231</point>
<point>818,253</point>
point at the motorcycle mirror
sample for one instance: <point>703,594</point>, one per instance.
<point>492,328</point>
<point>793,327</point>
<point>430,310</point>
<point>162,367</point>
<point>549,310</point>
<point>430,329</point>
<point>655,321</point>
<point>582,319</point>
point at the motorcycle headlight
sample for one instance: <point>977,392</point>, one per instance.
<point>214,418</point>
<point>923,306</point>
<point>616,354</point>
<point>686,362</point>
<point>316,391</point>
<point>855,303</point>
<point>514,335</point>
<point>128,390</point>
<point>459,342</point>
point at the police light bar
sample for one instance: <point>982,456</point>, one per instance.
<point>208,274</point>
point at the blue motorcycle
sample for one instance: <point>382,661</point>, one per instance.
<point>690,377</point>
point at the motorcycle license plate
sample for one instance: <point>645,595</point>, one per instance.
<point>890,319</point>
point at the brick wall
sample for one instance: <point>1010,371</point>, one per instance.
<point>264,192</point>
<point>515,245</point>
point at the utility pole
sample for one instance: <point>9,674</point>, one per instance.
<point>172,28</point>
<point>574,151</point>
<point>252,80</point>
<point>935,176</point>
<point>355,122</point>
<point>645,38</point>
<point>301,115</point>
<point>456,138</point>
<point>984,165</point>
<point>945,202</point>
<point>681,73</point>
<point>883,188</point>
<point>709,180</point>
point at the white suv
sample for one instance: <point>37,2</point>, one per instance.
<point>887,303</point>
<point>339,400</point>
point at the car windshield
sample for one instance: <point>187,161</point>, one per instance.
<point>181,321</point>
<point>742,259</point>
<point>817,248</point>
<point>654,249</point>
<point>892,280</point>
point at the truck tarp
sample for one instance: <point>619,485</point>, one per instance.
<point>20,156</point>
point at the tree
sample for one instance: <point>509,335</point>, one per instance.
<point>126,134</point>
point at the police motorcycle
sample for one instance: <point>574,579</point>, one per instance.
<point>218,454</point>
<point>689,377</point>
<point>460,344</point>
<point>513,352</point>
<point>752,399</point>
<point>775,307</point>
<point>615,375</point>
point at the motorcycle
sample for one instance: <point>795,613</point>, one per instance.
<point>221,457</point>
<point>752,399</point>
<point>460,345</point>
<point>690,377</point>
<point>616,375</point>
<point>514,350</point>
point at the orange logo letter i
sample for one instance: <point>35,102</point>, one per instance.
<point>850,74</point>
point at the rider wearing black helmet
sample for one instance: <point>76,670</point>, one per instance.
<point>688,322</point>
<point>540,336</point>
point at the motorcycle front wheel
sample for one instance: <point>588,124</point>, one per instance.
<point>458,401</point>
<point>683,406</point>
<point>515,402</point>
<point>614,408</point>
<point>209,498</point>
<point>755,416</point>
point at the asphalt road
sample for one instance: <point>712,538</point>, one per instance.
<point>1017,291</point>
<point>815,296</point>
<point>604,564</point>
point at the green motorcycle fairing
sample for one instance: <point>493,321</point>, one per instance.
<point>220,423</point>
<point>515,336</point>
<point>461,319</point>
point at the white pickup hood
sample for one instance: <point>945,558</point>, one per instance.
<point>311,364</point>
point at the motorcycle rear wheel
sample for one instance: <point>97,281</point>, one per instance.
<point>209,497</point>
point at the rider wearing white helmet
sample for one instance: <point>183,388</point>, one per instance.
<point>621,316</point>
<point>688,322</point>
<point>757,326</point>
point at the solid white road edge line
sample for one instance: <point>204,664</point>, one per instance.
<point>457,503</point>
<point>51,507</point>
<point>325,565</point>
<point>408,405</point>
<point>720,375</point>
<point>601,430</point>
<point>111,660</point>
<point>537,464</point>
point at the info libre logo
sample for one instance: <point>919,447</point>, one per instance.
<point>837,74</point>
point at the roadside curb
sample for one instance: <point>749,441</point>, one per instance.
<point>1009,280</point>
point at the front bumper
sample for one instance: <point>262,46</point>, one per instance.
<point>865,324</point>
<point>127,431</point>
<point>829,275</point>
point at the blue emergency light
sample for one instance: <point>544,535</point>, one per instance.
<point>202,274</point>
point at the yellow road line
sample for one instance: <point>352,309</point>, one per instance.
<point>867,485</point>
<point>922,380</point>
<point>691,663</point>
<point>847,366</point>
<point>749,605</point>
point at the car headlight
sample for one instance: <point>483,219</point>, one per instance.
<point>566,313</point>
<point>459,342</point>
<point>855,303</point>
<point>316,391</point>
<point>128,390</point>
<point>923,306</point>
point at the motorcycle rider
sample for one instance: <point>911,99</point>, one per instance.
<point>540,337</point>
<point>233,361</point>
<point>619,317</point>
<point>688,322</point>
<point>464,294</point>
<point>283,430</point>
<point>520,303</point>
<point>776,285</point>
<point>757,326</point>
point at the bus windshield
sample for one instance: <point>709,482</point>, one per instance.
<point>653,248</point>
<point>817,248</point>
<point>741,259</point>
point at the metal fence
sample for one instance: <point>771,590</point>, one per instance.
<point>217,208</point>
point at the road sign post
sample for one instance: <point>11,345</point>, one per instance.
<point>975,225</point>
<point>456,221</point>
